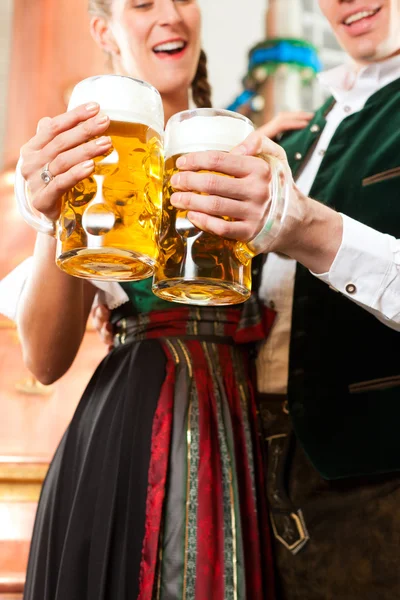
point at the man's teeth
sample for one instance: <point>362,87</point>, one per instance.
<point>360,15</point>
<point>169,47</point>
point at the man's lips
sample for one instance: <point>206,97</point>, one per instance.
<point>360,21</point>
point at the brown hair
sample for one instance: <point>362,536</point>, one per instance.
<point>201,89</point>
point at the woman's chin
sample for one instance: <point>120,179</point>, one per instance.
<point>174,86</point>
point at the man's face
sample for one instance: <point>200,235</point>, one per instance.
<point>368,30</point>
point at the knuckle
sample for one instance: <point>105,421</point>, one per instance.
<point>90,150</point>
<point>191,160</point>
<point>53,126</point>
<point>183,199</point>
<point>87,128</point>
<point>223,228</point>
<point>259,194</point>
<point>24,166</point>
<point>27,166</point>
<point>36,204</point>
<point>56,146</point>
<point>43,123</point>
<point>246,211</point>
<point>186,199</point>
<point>215,160</point>
<point>59,184</point>
<point>216,204</point>
<point>183,181</point>
<point>211,183</point>
<point>59,164</point>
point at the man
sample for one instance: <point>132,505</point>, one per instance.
<point>335,495</point>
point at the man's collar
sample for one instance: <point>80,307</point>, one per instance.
<point>345,79</point>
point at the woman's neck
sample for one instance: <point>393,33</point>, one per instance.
<point>174,103</point>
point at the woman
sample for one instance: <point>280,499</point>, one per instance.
<point>155,488</point>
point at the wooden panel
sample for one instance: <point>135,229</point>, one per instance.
<point>51,50</point>
<point>34,417</point>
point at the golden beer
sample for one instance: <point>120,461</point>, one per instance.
<point>195,267</point>
<point>109,222</point>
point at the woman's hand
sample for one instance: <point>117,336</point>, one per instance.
<point>285,121</point>
<point>244,197</point>
<point>101,322</point>
<point>65,143</point>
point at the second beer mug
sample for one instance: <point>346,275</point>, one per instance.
<point>196,267</point>
<point>109,222</point>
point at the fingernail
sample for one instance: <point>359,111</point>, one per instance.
<point>239,150</point>
<point>174,199</point>
<point>87,164</point>
<point>92,106</point>
<point>175,180</point>
<point>102,119</point>
<point>103,141</point>
<point>181,162</point>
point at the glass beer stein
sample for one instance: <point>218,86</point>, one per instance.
<point>196,267</point>
<point>109,223</point>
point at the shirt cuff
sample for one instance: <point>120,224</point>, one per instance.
<point>363,267</point>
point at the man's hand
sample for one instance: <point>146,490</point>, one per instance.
<point>232,198</point>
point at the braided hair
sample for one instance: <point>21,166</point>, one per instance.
<point>201,89</point>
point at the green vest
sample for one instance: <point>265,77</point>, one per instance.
<point>344,373</point>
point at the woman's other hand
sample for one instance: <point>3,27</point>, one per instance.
<point>285,121</point>
<point>101,323</point>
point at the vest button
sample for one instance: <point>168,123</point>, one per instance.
<point>350,288</point>
<point>298,156</point>
<point>315,128</point>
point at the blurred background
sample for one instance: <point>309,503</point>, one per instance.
<point>45,48</point>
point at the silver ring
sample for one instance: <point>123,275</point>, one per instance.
<point>46,175</point>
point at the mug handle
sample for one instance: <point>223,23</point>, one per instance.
<point>280,186</point>
<point>41,224</point>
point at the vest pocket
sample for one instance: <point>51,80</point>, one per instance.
<point>383,176</point>
<point>375,384</point>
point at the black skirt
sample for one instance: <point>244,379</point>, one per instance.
<point>89,529</point>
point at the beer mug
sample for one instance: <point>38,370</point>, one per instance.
<point>196,267</point>
<point>109,223</point>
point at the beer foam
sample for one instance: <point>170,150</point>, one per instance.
<point>122,99</point>
<point>205,133</point>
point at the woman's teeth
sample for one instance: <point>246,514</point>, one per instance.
<point>170,47</point>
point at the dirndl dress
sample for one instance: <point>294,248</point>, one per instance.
<point>156,489</point>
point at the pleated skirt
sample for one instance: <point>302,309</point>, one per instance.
<point>156,489</point>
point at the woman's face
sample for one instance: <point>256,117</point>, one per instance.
<point>158,41</point>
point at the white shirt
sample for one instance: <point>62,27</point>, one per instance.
<point>367,266</point>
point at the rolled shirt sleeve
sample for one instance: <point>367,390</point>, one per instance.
<point>12,286</point>
<point>367,270</point>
